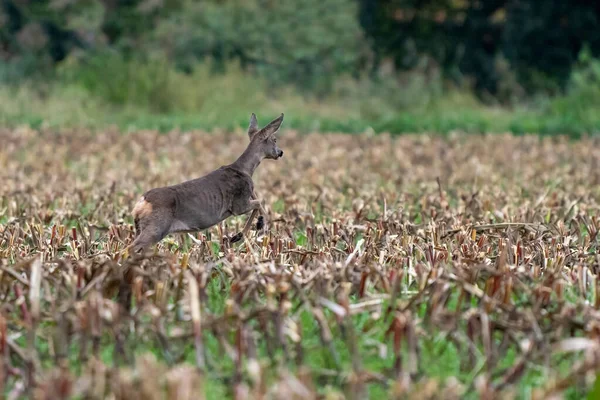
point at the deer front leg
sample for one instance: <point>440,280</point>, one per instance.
<point>249,222</point>
<point>255,206</point>
<point>261,219</point>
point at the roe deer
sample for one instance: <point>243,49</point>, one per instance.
<point>203,202</point>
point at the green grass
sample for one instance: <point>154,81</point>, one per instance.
<point>139,96</point>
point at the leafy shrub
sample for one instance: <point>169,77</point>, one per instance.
<point>305,41</point>
<point>582,100</point>
<point>121,81</point>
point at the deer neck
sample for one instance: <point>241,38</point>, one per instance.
<point>248,161</point>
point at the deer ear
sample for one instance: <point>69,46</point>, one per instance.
<point>273,127</point>
<point>253,127</point>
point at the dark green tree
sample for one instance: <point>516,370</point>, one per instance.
<point>542,39</point>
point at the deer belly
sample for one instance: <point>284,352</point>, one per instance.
<point>197,223</point>
<point>198,213</point>
<point>180,226</point>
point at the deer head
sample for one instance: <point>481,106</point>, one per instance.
<point>264,141</point>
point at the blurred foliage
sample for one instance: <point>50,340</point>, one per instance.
<point>304,42</point>
<point>581,101</point>
<point>540,39</point>
<point>117,80</point>
<point>506,50</point>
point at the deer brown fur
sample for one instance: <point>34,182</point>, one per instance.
<point>203,202</point>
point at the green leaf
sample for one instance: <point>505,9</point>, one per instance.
<point>594,394</point>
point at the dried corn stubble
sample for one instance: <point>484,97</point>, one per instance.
<point>382,254</point>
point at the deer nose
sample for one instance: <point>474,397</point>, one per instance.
<point>280,153</point>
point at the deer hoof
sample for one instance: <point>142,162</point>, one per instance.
<point>236,238</point>
<point>260,223</point>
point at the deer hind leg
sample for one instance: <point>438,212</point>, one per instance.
<point>136,225</point>
<point>145,239</point>
<point>154,228</point>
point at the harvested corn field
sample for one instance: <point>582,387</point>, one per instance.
<point>389,267</point>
